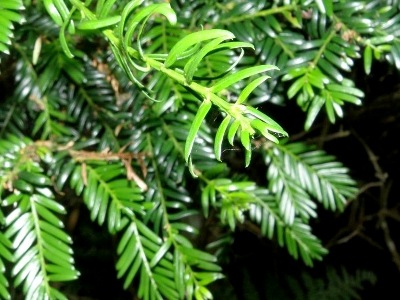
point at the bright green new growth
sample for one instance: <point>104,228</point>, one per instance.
<point>132,106</point>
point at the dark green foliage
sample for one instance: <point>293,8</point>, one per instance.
<point>10,14</point>
<point>337,284</point>
<point>136,108</point>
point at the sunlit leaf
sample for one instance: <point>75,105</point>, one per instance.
<point>193,39</point>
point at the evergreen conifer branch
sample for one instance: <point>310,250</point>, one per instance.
<point>123,102</point>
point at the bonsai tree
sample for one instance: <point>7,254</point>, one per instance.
<point>159,117</point>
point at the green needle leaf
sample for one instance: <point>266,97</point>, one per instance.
<point>245,139</point>
<point>271,124</point>
<point>240,75</point>
<point>125,14</point>
<point>219,136</point>
<point>232,131</point>
<point>99,24</point>
<point>263,129</point>
<point>367,59</point>
<point>192,39</point>
<point>53,12</point>
<point>250,88</point>
<point>193,63</point>
<point>198,119</point>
